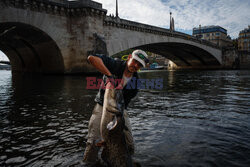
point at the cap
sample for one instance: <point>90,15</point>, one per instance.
<point>140,56</point>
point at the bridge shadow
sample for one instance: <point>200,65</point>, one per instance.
<point>29,49</point>
<point>183,55</point>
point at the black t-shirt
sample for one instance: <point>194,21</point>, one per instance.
<point>117,67</point>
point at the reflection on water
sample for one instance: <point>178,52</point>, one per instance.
<point>200,118</point>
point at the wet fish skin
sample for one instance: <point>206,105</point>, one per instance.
<point>115,152</point>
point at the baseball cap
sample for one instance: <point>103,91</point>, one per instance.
<point>140,56</point>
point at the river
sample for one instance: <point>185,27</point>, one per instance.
<point>199,118</point>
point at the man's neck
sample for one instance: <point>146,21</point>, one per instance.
<point>127,73</point>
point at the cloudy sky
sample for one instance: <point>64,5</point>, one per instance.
<point>233,15</point>
<point>2,56</point>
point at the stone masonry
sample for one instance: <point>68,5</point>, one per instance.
<point>57,36</point>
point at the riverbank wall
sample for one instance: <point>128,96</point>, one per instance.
<point>234,59</point>
<point>244,58</point>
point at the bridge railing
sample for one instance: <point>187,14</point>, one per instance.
<point>126,24</point>
<point>68,8</point>
<point>73,4</point>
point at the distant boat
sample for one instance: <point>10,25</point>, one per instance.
<point>5,67</point>
<point>158,67</point>
<point>154,66</point>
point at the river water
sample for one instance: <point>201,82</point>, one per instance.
<point>199,118</point>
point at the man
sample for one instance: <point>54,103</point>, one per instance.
<point>124,70</point>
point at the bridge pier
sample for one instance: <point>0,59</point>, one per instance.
<point>49,37</point>
<point>57,36</point>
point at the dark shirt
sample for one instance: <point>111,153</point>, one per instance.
<point>116,67</point>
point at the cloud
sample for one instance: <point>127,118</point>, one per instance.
<point>232,15</point>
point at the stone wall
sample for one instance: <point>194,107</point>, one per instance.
<point>70,30</point>
<point>244,58</point>
<point>145,28</point>
<point>234,59</point>
<point>121,35</point>
<point>229,57</point>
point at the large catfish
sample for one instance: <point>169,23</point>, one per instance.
<point>115,152</point>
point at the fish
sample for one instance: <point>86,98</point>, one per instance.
<point>115,152</point>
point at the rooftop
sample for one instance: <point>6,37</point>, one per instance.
<point>245,30</point>
<point>208,27</point>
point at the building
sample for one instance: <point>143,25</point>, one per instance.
<point>244,40</point>
<point>214,34</point>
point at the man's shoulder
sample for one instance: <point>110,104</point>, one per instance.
<point>115,66</point>
<point>119,67</point>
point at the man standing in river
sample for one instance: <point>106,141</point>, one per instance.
<point>124,70</point>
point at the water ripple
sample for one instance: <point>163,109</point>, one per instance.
<point>200,118</point>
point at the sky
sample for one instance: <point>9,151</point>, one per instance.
<point>3,56</point>
<point>233,15</point>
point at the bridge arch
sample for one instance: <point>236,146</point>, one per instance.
<point>182,54</point>
<point>181,48</point>
<point>30,49</point>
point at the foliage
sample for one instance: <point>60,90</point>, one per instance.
<point>235,43</point>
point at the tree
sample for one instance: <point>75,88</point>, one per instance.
<point>235,43</point>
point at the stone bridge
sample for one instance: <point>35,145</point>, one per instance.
<point>55,36</point>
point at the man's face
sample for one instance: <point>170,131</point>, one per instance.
<point>133,65</point>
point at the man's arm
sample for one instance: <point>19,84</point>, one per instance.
<point>99,65</point>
